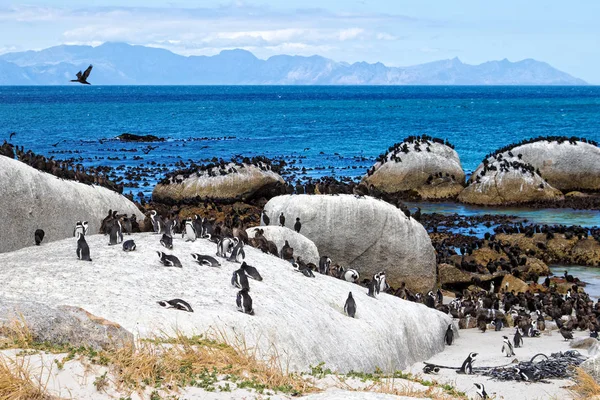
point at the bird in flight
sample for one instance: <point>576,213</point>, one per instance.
<point>82,78</point>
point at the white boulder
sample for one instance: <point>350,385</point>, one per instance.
<point>363,233</point>
<point>299,318</point>
<point>302,246</point>
<point>33,200</point>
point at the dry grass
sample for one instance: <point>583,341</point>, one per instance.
<point>16,382</point>
<point>585,386</point>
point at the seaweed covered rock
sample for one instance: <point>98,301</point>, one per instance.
<point>130,137</point>
<point>363,233</point>
<point>565,163</point>
<point>224,182</point>
<point>507,180</point>
<point>427,166</point>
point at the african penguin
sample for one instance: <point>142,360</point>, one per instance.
<point>83,250</point>
<point>157,222</point>
<point>430,369</point>
<point>449,336</point>
<point>167,241</point>
<point>169,260</point>
<point>237,253</point>
<point>281,220</point>
<point>507,347</point>
<point>481,391</point>
<point>297,225</point>
<point>350,306</point>
<point>324,263</point>
<point>129,245</point>
<point>351,275</point>
<point>206,260</point>
<point>240,280</point>
<point>115,233</point>
<point>177,304</point>
<point>78,228</point>
<point>373,287</point>
<point>251,271</point>
<point>467,365</point>
<point>189,232</point>
<point>518,339</point>
<point>38,236</point>
<point>430,300</point>
<point>244,302</point>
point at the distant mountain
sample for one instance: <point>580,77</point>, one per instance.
<point>124,64</point>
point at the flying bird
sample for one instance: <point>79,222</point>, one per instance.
<point>82,78</point>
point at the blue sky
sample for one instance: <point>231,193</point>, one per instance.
<point>395,32</point>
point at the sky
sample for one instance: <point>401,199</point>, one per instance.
<point>395,32</point>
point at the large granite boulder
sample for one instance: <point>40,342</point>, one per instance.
<point>300,317</point>
<point>424,165</point>
<point>33,200</point>
<point>302,246</point>
<point>63,325</point>
<point>565,164</point>
<point>505,181</point>
<point>234,182</point>
<point>363,233</point>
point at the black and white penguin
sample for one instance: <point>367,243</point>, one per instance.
<point>525,375</point>
<point>430,300</point>
<point>78,228</point>
<point>265,218</point>
<point>86,227</point>
<point>440,296</point>
<point>467,365</point>
<point>541,322</point>
<point>449,336</point>
<point>281,220</point>
<point>430,369</point>
<point>115,233</point>
<point>251,271</point>
<point>177,304</point>
<point>373,287</point>
<point>518,339</point>
<point>297,225</point>
<point>351,275</point>
<point>39,236</point>
<point>507,347</point>
<point>350,306</point>
<point>237,254</point>
<point>324,264</point>
<point>301,266</point>
<point>240,280</point>
<point>481,391</point>
<point>225,246</point>
<point>157,222</point>
<point>83,250</point>
<point>382,283</point>
<point>126,225</point>
<point>498,324</point>
<point>129,245</point>
<point>206,260</point>
<point>197,222</point>
<point>189,231</point>
<point>167,241</point>
<point>594,334</point>
<point>244,302</point>
<point>169,260</point>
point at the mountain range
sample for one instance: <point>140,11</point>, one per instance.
<point>125,64</point>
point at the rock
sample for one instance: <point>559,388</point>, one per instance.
<point>418,170</point>
<point>576,194</point>
<point>363,233</point>
<point>583,342</point>
<point>130,137</point>
<point>500,183</point>
<point>510,283</point>
<point>451,275</point>
<point>246,182</point>
<point>33,200</point>
<point>537,266</point>
<point>302,246</point>
<point>592,367</point>
<point>300,317</point>
<point>64,325</point>
<point>565,166</point>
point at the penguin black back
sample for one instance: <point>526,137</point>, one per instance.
<point>350,306</point>
<point>39,236</point>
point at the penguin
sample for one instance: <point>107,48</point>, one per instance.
<point>86,227</point>
<point>198,228</point>
<point>373,287</point>
<point>157,222</point>
<point>498,325</point>
<point>507,347</point>
<point>240,280</point>
<point>169,260</point>
<point>224,246</point>
<point>297,225</point>
<point>594,334</point>
<point>251,271</point>
<point>189,232</point>
<point>281,220</point>
<point>167,241</point>
<point>127,225</point>
<point>430,369</point>
<point>467,365</point>
<point>115,233</point>
<point>541,322</point>
<point>177,304</point>
<point>129,245</point>
<point>430,300</point>
<point>492,288</point>
<point>481,391</point>
<point>83,250</point>
<point>351,275</point>
<point>244,302</point>
<point>301,266</point>
<point>78,228</point>
<point>526,376</point>
<point>382,283</point>
<point>287,252</point>
<point>324,263</point>
<point>449,336</point>
<point>206,260</point>
<point>518,339</point>
<point>237,253</point>
<point>566,333</point>
<point>440,297</point>
<point>350,306</point>
<point>265,218</point>
<point>39,236</point>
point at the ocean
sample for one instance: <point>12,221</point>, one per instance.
<point>332,130</point>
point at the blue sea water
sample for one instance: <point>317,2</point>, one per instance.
<point>335,130</point>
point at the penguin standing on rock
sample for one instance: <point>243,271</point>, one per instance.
<point>189,231</point>
<point>251,271</point>
<point>373,288</point>
<point>297,225</point>
<point>169,260</point>
<point>281,220</point>
<point>324,263</point>
<point>167,241</point>
<point>39,236</point>
<point>206,260</point>
<point>83,250</point>
<point>449,336</point>
<point>240,280</point>
<point>244,302</point>
<point>350,306</point>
